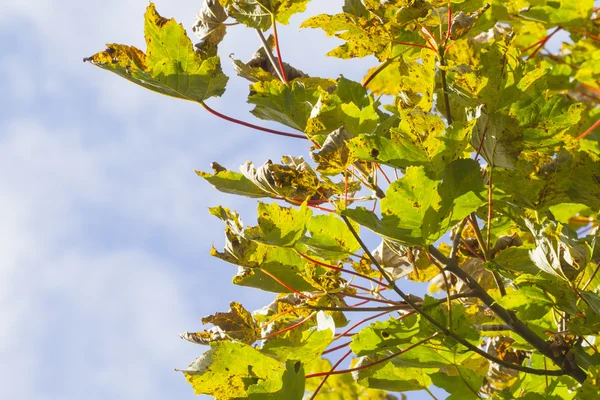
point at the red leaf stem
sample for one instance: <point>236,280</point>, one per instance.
<point>356,296</point>
<point>333,267</point>
<point>415,45</point>
<point>383,173</point>
<point>276,37</point>
<point>331,350</point>
<point>345,371</point>
<point>589,130</point>
<point>285,285</point>
<point>289,328</point>
<point>330,372</point>
<point>366,320</point>
<point>249,125</point>
<point>540,43</point>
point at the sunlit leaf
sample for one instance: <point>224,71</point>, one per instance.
<point>560,12</point>
<point>232,182</point>
<point>232,370</point>
<point>383,335</point>
<point>418,210</point>
<point>529,302</point>
<point>279,226</point>
<point>236,324</point>
<point>170,66</point>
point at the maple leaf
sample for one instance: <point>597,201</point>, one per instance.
<point>170,66</point>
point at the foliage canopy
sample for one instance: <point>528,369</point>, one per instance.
<point>492,143</point>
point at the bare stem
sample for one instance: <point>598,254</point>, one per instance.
<point>314,395</point>
<point>281,68</point>
<point>270,56</point>
<point>378,71</point>
<point>249,125</point>
<point>589,130</point>
<point>490,211</point>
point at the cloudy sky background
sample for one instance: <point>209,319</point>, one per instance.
<point>104,229</point>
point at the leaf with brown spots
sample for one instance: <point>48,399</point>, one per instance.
<point>170,66</point>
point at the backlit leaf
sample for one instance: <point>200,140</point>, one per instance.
<point>232,182</point>
<point>529,302</point>
<point>232,370</point>
<point>170,66</point>
<point>237,323</point>
<point>279,226</point>
<point>418,210</point>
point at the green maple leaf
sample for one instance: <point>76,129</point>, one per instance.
<point>364,35</point>
<point>383,335</point>
<point>529,302</point>
<point>418,210</point>
<point>232,182</point>
<point>421,140</point>
<point>231,370</point>
<point>253,257</point>
<point>306,347</point>
<point>329,238</point>
<point>291,104</point>
<point>460,382</point>
<point>561,12</point>
<point>396,379</point>
<point>279,226</point>
<point>170,66</point>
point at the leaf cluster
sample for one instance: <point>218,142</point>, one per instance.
<point>470,152</point>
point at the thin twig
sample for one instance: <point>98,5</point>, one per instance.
<point>435,252</point>
<point>276,37</point>
<point>428,47</point>
<point>378,71</point>
<point>478,236</point>
<point>589,130</point>
<point>591,277</point>
<point>431,394</point>
<point>490,210</point>
<point>341,346</point>
<point>329,374</point>
<point>457,237</point>
<point>270,56</point>
<point>335,268</point>
<point>412,346</point>
<point>514,323</point>
<point>541,43</point>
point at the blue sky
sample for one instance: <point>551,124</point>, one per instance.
<point>104,232</point>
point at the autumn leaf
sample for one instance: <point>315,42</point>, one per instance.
<point>170,66</point>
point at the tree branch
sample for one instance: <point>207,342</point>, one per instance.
<point>435,252</point>
<point>511,320</point>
